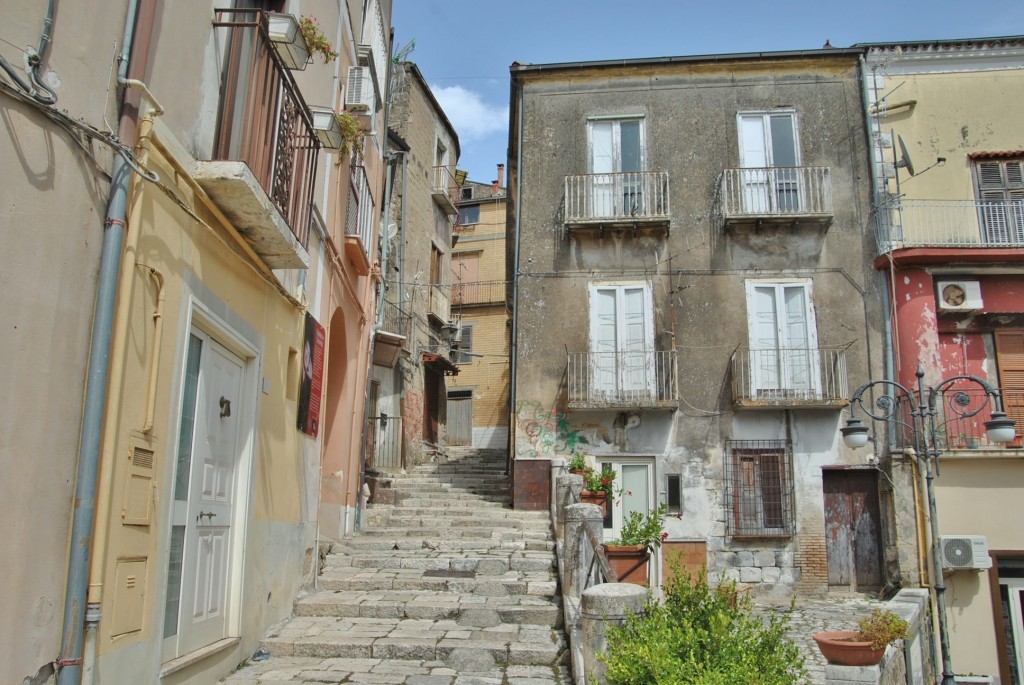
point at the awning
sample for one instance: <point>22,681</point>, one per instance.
<point>442,364</point>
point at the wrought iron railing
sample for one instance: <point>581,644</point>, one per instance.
<point>263,120</point>
<point>478,292</point>
<point>384,446</point>
<point>443,186</point>
<point>784,376</point>
<point>950,223</point>
<point>636,196</point>
<point>776,191</point>
<point>639,378</point>
<point>395,320</point>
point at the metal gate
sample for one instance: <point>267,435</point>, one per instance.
<point>460,417</point>
<point>384,449</point>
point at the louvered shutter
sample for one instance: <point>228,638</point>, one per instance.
<point>1001,191</point>
<point>359,91</point>
<point>1010,357</point>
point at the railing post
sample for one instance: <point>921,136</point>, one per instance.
<point>578,553</point>
<point>601,607</point>
<point>563,498</point>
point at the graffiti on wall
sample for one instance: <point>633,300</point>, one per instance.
<point>542,432</point>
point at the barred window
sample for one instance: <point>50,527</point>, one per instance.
<point>759,488</point>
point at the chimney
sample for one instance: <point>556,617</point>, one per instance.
<point>501,175</point>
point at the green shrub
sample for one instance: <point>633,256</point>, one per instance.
<point>702,635</point>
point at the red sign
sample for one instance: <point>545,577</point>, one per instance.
<point>311,387</point>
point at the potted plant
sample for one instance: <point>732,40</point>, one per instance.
<point>598,488</point>
<point>866,645</point>
<point>316,40</point>
<point>577,463</point>
<point>353,130</point>
<point>629,553</point>
<point>288,38</point>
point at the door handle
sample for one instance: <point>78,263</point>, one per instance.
<point>225,407</point>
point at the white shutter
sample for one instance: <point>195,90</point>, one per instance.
<point>359,90</point>
<point>604,341</point>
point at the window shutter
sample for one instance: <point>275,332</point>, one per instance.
<point>1014,175</point>
<point>359,89</point>
<point>465,346</point>
<point>989,175</point>
<point>1010,357</point>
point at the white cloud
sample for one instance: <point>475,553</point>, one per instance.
<point>472,118</point>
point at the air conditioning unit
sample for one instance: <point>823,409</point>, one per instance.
<point>359,91</point>
<point>959,296</point>
<point>964,552</point>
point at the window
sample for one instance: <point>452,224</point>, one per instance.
<point>769,154</point>
<point>621,341</point>
<point>758,488</point>
<point>465,277</point>
<point>674,493</point>
<point>436,265</point>
<point>464,348</point>
<point>466,193</point>
<point>469,215</point>
<point>616,158</point>
<point>783,340</point>
<point>1000,188</point>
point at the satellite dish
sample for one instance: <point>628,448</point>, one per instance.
<point>904,161</point>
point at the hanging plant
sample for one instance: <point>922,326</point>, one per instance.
<point>316,40</point>
<point>353,130</point>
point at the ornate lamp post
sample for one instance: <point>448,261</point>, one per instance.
<point>923,426</point>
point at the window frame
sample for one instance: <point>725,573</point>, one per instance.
<point>465,347</point>
<point>622,366</point>
<point>736,488</point>
<point>785,363</point>
<point>462,219</point>
<point>1000,219</point>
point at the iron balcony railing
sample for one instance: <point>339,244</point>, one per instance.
<point>478,292</point>
<point>954,430</point>
<point>384,443</point>
<point>638,378</point>
<point>627,197</point>
<point>950,223</point>
<point>444,188</point>
<point>776,192</point>
<point>263,120</point>
<point>813,376</point>
<point>395,320</point>
<point>360,209</point>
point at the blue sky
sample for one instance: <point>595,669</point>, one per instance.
<point>464,48</point>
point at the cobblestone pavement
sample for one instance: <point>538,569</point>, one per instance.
<point>815,614</point>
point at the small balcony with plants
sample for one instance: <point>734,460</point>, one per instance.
<point>263,165</point>
<point>635,199</point>
<point>776,196</point>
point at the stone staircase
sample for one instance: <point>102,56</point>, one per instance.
<point>446,586</point>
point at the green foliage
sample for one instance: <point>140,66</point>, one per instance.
<point>352,134</point>
<point>702,636</point>
<point>316,40</point>
<point>639,529</point>
<point>577,462</point>
<point>881,628</point>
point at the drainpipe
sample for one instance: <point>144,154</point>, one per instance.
<point>70,660</point>
<point>517,94</point>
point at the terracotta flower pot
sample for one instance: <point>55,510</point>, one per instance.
<point>628,562</point>
<point>839,648</point>
<point>598,497</point>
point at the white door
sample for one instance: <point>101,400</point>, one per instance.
<point>616,154</point>
<point>769,155</point>
<point>634,487</point>
<point>783,340</point>
<point>196,611</point>
<point>622,342</point>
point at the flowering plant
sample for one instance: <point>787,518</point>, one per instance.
<point>316,40</point>
<point>640,529</point>
<point>599,481</point>
<point>352,133</point>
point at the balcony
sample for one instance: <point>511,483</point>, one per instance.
<point>438,303</point>
<point>958,433</point>
<point>265,152</point>
<point>789,377</point>
<point>623,380</point>
<point>478,292</point>
<point>777,196</point>
<point>391,335</point>
<point>445,189</point>
<point>359,222</point>
<point>637,199</point>
<point>958,224</point>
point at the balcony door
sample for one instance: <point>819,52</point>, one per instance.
<point>1000,188</point>
<point>783,340</point>
<point>621,341</point>
<point>1010,357</point>
<point>769,157</point>
<point>616,155</point>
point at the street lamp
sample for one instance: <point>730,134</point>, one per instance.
<point>923,428</point>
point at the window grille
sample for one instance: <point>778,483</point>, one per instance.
<point>759,488</point>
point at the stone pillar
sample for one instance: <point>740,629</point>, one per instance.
<point>565,485</point>
<point>602,606</point>
<point>578,550</point>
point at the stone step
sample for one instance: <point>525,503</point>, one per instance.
<point>476,532</point>
<point>417,639</point>
<point>436,546</point>
<point>466,610</point>
<point>411,500</point>
<point>540,582</point>
<point>403,519</point>
<point>490,563</point>
<point>293,670</point>
<point>487,513</point>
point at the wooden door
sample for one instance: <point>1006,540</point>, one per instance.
<point>853,538</point>
<point>431,402</point>
<point>460,417</point>
<point>1010,357</point>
